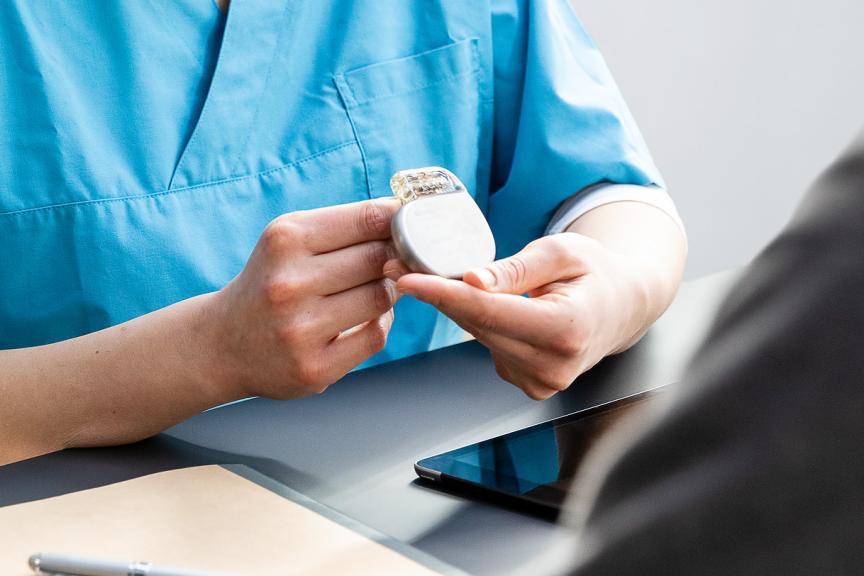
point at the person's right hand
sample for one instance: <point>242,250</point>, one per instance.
<point>311,303</point>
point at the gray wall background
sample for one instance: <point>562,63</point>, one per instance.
<point>743,103</point>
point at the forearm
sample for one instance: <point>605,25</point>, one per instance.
<point>116,385</point>
<point>653,244</point>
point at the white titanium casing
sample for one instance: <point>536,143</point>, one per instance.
<point>439,229</point>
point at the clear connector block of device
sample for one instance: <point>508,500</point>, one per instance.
<point>409,185</point>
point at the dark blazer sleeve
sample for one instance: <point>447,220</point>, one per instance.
<point>758,468</point>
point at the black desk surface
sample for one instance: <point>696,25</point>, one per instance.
<point>353,447</point>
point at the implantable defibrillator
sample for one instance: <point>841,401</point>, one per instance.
<point>439,229</point>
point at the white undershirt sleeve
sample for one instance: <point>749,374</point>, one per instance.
<point>600,194</point>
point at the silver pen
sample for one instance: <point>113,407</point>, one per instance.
<point>63,565</point>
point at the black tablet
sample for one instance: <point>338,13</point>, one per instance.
<point>531,468</point>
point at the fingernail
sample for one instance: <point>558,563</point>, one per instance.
<point>389,269</point>
<point>392,290</point>
<point>485,276</point>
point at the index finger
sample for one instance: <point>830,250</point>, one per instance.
<point>336,227</point>
<point>507,314</point>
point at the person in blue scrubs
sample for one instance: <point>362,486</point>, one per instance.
<point>194,202</point>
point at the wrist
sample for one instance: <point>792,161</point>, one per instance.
<point>215,367</point>
<point>639,317</point>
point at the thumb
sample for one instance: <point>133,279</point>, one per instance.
<point>539,263</point>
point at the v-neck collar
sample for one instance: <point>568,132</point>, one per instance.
<point>249,43</point>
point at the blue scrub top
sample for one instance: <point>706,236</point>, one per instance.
<point>144,146</point>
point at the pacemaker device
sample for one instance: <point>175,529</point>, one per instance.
<point>533,468</point>
<point>439,229</point>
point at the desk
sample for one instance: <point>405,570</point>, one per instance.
<point>353,447</point>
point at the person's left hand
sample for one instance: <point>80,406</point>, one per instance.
<point>584,303</point>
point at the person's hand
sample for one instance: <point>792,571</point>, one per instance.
<point>311,303</point>
<point>584,303</point>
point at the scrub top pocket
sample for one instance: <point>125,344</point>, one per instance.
<point>416,111</point>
